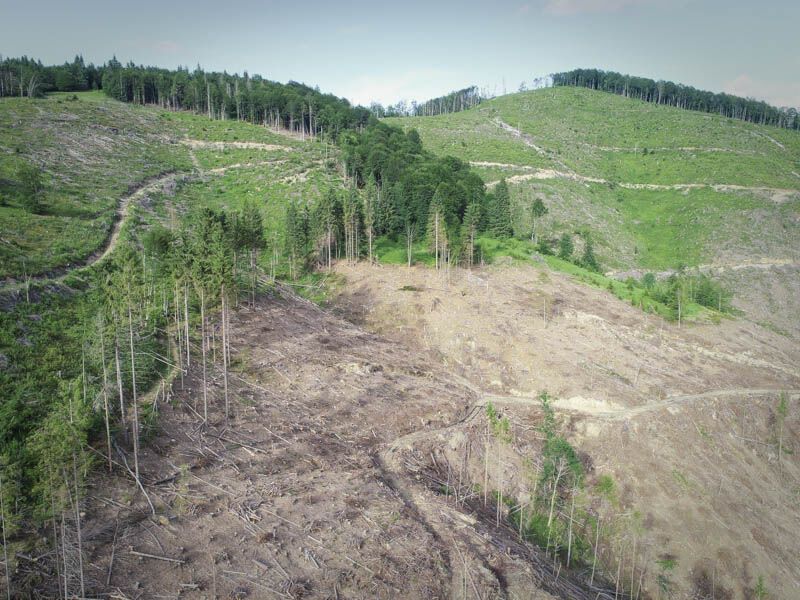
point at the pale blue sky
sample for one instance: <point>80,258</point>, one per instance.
<point>419,49</point>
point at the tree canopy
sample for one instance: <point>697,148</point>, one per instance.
<point>680,96</point>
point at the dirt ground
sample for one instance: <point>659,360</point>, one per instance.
<point>683,419</point>
<point>356,437</point>
<point>304,492</point>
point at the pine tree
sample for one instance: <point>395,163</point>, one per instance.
<point>296,243</point>
<point>327,215</point>
<point>538,210</point>
<point>565,247</point>
<point>500,216</point>
<point>369,209</point>
<point>588,260</point>
<point>351,215</point>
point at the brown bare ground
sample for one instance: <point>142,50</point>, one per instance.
<point>682,419</point>
<point>348,467</point>
<point>300,495</point>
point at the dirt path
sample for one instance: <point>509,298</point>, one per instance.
<point>528,141</point>
<point>123,210</point>
<point>763,264</point>
<point>634,149</point>
<point>199,144</point>
<point>609,411</point>
<point>777,195</point>
<point>249,165</point>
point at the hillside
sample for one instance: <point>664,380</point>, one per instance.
<point>657,187</point>
<point>216,383</point>
<point>557,138</point>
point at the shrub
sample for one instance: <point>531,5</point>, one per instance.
<point>32,184</point>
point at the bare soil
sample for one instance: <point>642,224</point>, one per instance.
<point>682,418</point>
<point>349,465</point>
<point>305,492</point>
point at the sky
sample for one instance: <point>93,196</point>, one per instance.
<point>388,51</point>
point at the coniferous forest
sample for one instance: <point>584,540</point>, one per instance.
<point>681,96</point>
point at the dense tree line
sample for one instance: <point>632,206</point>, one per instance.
<point>415,195</point>
<point>680,96</point>
<point>28,77</point>
<point>292,106</point>
<point>450,103</point>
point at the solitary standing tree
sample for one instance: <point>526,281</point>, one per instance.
<point>472,219</point>
<point>500,216</point>
<point>370,200</point>
<point>565,247</point>
<point>538,210</point>
<point>437,229</point>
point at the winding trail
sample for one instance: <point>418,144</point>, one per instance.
<point>777,195</point>
<point>611,412</point>
<point>150,185</point>
<point>56,275</point>
<point>762,264</point>
<point>199,144</point>
<point>528,141</point>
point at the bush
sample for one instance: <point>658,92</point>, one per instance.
<point>565,247</point>
<point>32,184</point>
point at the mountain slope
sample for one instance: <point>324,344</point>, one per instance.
<point>638,175</point>
<point>657,188</point>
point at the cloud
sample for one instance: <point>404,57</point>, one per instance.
<point>564,8</point>
<point>524,9</point>
<point>781,93</point>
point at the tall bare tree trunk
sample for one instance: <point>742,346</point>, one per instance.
<point>119,383</point>
<point>78,523</point>
<point>178,330</point>
<point>225,349</point>
<point>186,325</point>
<point>203,346</point>
<point>105,395</point>
<point>135,404</point>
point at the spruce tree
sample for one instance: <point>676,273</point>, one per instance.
<point>538,210</point>
<point>588,260</point>
<point>500,217</point>
<point>565,247</point>
<point>469,231</point>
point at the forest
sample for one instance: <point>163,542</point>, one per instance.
<point>449,103</point>
<point>680,96</point>
<point>293,106</point>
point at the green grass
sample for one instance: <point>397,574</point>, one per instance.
<point>471,136</point>
<point>92,151</point>
<point>605,136</point>
<point>393,252</point>
<point>189,125</point>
